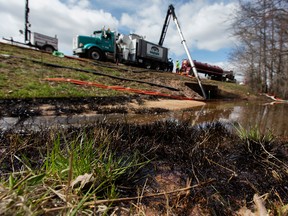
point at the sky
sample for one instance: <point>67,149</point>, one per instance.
<point>205,24</point>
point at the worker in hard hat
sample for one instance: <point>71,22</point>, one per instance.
<point>177,67</point>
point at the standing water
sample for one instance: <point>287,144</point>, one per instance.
<point>268,117</point>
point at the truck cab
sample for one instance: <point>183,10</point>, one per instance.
<point>96,46</point>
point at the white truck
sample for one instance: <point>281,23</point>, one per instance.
<point>34,39</point>
<point>44,42</point>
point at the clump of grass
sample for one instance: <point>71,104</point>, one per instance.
<point>75,170</point>
<point>256,142</point>
<point>255,134</point>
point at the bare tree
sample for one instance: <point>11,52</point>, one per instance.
<point>261,27</point>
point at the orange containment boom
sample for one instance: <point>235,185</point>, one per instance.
<point>119,88</point>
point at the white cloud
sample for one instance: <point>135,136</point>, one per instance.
<point>81,3</point>
<point>211,26</point>
<point>203,24</point>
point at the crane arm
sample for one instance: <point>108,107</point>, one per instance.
<point>171,12</point>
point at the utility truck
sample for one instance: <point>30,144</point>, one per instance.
<point>34,39</point>
<point>37,40</point>
<point>43,42</point>
<point>130,49</point>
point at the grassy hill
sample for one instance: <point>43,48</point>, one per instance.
<point>23,74</point>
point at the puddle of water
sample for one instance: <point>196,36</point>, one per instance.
<point>40,122</point>
<point>268,117</point>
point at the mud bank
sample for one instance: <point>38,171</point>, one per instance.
<point>96,105</point>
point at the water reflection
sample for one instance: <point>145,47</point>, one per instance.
<point>268,117</point>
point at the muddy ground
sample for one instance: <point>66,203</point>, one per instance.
<point>24,108</point>
<point>199,170</point>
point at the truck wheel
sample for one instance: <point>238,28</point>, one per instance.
<point>48,48</point>
<point>95,54</point>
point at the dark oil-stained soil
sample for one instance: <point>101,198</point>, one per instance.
<point>226,170</point>
<point>24,108</point>
<point>137,104</point>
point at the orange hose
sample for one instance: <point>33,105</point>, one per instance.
<point>118,88</point>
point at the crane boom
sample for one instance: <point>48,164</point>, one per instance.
<point>171,12</point>
<point>166,24</point>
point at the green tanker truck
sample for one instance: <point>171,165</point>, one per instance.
<point>130,49</point>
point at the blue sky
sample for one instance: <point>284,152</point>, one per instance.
<point>204,23</point>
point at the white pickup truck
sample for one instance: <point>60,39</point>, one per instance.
<point>44,42</point>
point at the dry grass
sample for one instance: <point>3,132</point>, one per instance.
<point>163,168</point>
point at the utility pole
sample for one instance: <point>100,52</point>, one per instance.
<point>27,32</point>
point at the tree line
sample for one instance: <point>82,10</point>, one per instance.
<point>262,52</point>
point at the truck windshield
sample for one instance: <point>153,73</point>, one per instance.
<point>97,34</point>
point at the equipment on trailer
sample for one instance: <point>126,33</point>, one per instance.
<point>34,39</point>
<point>171,12</point>
<point>212,71</point>
<point>130,49</point>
